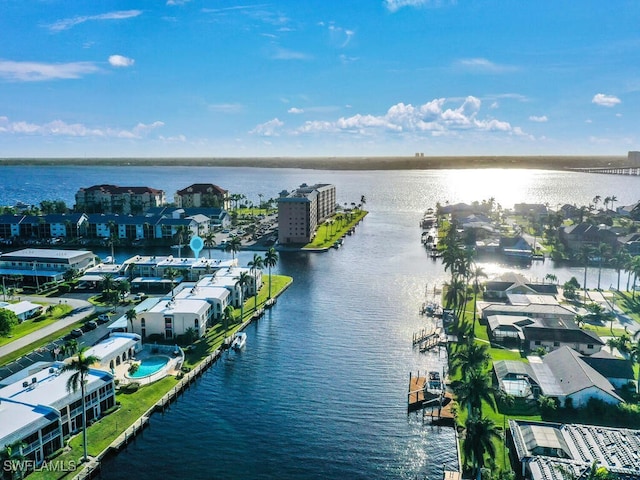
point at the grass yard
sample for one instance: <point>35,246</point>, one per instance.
<point>28,326</point>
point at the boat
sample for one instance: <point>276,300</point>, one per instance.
<point>239,341</point>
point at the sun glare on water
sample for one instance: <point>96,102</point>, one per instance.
<point>505,186</point>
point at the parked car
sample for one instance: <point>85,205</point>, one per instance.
<point>103,318</point>
<point>76,332</point>
<point>91,325</point>
<point>139,296</point>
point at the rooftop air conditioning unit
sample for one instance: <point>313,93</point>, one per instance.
<point>25,384</point>
<point>51,370</point>
<point>34,380</point>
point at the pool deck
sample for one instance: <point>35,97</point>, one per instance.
<point>172,368</point>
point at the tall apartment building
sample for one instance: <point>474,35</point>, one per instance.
<point>300,212</point>
<point>202,195</point>
<point>120,200</point>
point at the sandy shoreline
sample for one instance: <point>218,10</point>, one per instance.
<point>344,163</point>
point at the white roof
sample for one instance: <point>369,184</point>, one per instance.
<point>114,345</point>
<point>50,387</point>
<point>21,307</point>
<point>208,292</point>
<point>46,253</point>
<point>180,306</point>
<point>18,419</point>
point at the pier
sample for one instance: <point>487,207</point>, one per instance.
<point>633,171</point>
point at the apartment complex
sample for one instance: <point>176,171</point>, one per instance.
<point>300,212</point>
<point>202,195</point>
<point>120,200</point>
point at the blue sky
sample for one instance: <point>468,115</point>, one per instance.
<point>318,77</point>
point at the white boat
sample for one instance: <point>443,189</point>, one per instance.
<point>239,341</point>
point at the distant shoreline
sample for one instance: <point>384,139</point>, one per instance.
<point>542,162</point>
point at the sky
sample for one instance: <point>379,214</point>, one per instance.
<point>304,78</point>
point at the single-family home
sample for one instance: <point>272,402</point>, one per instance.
<point>564,375</point>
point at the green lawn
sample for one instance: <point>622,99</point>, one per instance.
<point>326,235</point>
<point>31,325</point>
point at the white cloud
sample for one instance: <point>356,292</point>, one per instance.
<point>64,129</point>
<point>540,119</point>
<point>340,36</point>
<point>395,5</point>
<point>177,2</point>
<point>120,61</point>
<point>482,65</point>
<point>295,110</point>
<point>36,71</point>
<point>268,129</point>
<point>68,23</point>
<point>433,118</point>
<point>605,100</point>
<point>226,107</point>
<point>285,54</point>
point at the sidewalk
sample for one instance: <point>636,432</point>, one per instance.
<point>81,309</point>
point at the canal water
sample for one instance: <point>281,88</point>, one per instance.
<point>320,390</point>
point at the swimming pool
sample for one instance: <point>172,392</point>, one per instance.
<point>149,366</point>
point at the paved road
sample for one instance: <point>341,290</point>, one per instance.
<point>81,309</point>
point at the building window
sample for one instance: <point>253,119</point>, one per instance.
<point>538,342</point>
<point>590,346</point>
<point>556,344</point>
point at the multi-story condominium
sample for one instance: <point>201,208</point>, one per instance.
<point>300,212</point>
<point>38,413</point>
<point>39,265</point>
<point>202,195</point>
<point>121,200</point>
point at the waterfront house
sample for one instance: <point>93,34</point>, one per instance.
<point>584,234</point>
<point>554,333</point>
<point>516,247</point>
<point>38,411</point>
<point>546,451</point>
<point>631,243</point>
<point>564,375</point>
<point>532,310</point>
<point>618,371</point>
<point>534,211</point>
<point>206,289</point>
<point>509,282</point>
<point>507,329</point>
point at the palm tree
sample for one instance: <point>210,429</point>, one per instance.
<point>584,256</point>
<point>612,200</point>
<point>551,277</point>
<point>256,264</point>
<point>634,356</point>
<point>480,434</point>
<point>183,234</point>
<point>242,280</point>
<point>603,250</point>
<point>108,284</point>
<point>122,287</point>
<point>618,262</point>
<point>634,267</point>
<point>210,242</point>
<point>455,295</point>
<point>270,260</point>
<point>80,366</point>
<point>473,389</point>
<point>234,245</point>
<point>477,273</point>
<point>131,316</point>
<point>171,274</point>
<point>472,356</point>
<point>228,317</point>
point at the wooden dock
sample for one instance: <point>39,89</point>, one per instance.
<point>422,335</point>
<point>416,395</point>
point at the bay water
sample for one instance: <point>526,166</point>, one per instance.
<point>320,390</point>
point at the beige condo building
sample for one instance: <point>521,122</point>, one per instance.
<point>300,212</point>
